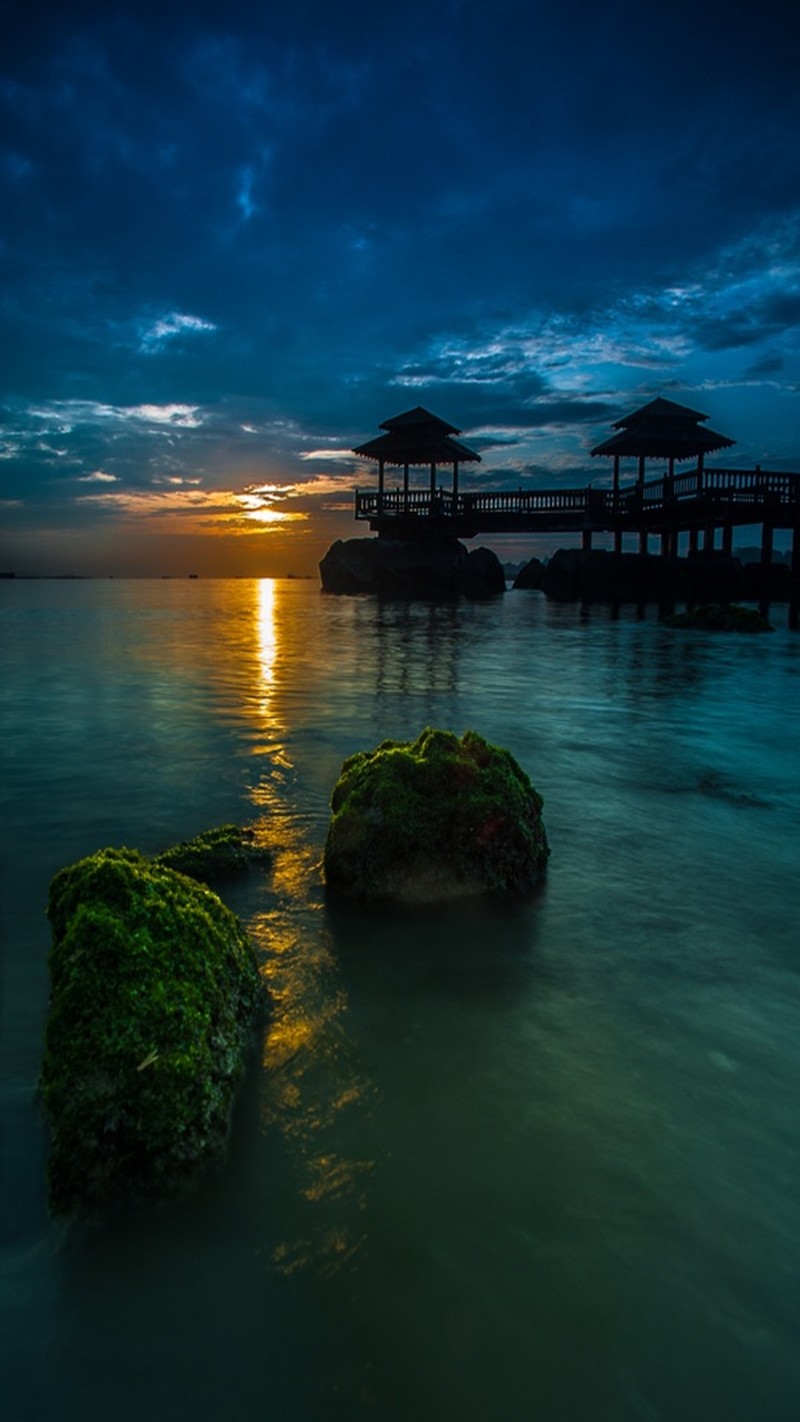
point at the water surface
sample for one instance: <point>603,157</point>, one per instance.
<point>531,1161</point>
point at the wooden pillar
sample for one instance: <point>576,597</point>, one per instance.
<point>405,481</point>
<point>694,535</point>
<point>587,540</point>
<point>641,469</point>
<point>455,483</point>
<point>616,477</point>
<point>380,486</point>
<point>433,478</point>
<point>642,540</point>
<point>617,540</point>
<point>794,595</point>
<point>767,531</point>
<point>664,543</point>
<point>708,538</point>
<point>727,539</point>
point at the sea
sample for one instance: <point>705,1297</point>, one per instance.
<point>532,1161</point>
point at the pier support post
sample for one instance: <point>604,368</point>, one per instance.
<point>766,566</point>
<point>794,595</point>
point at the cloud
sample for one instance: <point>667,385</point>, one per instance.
<point>330,456</point>
<point>66,415</point>
<point>230,257</point>
<point>166,328</point>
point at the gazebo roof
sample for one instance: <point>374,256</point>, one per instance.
<point>418,416</point>
<point>417,437</point>
<point>663,430</point>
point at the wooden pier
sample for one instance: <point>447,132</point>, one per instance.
<point>697,504</point>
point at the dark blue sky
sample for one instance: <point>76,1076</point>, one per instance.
<point>234,238</point>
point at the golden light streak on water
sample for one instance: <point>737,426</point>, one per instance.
<point>315,1093</point>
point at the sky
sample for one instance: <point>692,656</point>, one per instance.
<point>234,238</point>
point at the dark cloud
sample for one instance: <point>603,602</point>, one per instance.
<point>301,219</point>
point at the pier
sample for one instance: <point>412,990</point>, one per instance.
<point>702,506</point>
<point>697,504</point>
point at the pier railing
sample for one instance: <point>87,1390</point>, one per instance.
<point>738,491</point>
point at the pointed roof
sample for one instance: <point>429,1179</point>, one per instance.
<point>417,437</point>
<point>418,416</point>
<point>663,430</point>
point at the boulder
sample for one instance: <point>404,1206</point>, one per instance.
<point>154,994</point>
<point>772,583</point>
<point>530,575</point>
<point>399,567</point>
<point>720,617</point>
<point>434,819</point>
<point>218,854</point>
<point>482,574</point>
<point>714,577</point>
<point>598,575</point>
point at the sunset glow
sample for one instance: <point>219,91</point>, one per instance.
<point>571,243</point>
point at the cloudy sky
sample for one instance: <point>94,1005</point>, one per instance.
<point>235,238</point>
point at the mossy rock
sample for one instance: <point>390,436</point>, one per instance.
<point>154,993</point>
<point>216,855</point>
<point>720,617</point>
<point>432,819</point>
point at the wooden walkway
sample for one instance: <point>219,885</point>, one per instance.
<point>697,503</point>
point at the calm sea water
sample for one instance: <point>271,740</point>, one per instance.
<point>533,1162</point>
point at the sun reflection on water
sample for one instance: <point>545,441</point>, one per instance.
<point>314,1092</point>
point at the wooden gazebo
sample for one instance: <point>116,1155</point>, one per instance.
<point>661,430</point>
<point>417,438</point>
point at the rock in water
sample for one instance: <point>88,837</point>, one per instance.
<point>400,567</point>
<point>531,575</point>
<point>154,989</point>
<point>433,819</point>
<point>721,617</point>
<point>215,855</point>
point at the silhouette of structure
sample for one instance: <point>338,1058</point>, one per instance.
<point>696,503</point>
<point>413,439</point>
<point>661,430</point>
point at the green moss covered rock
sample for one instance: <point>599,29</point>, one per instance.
<point>154,991</point>
<point>721,617</point>
<point>217,854</point>
<point>434,818</point>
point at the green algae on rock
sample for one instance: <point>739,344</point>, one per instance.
<point>216,854</point>
<point>154,993</point>
<point>433,819</point>
<point>721,617</point>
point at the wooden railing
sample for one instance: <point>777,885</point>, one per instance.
<point>758,489</point>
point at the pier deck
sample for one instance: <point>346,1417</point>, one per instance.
<point>696,502</point>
